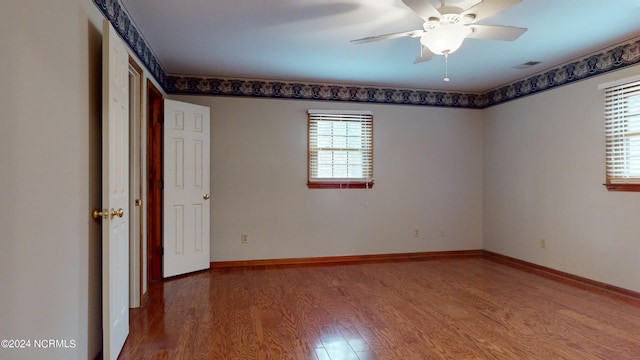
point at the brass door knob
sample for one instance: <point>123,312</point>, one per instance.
<point>118,213</point>
<point>97,214</point>
<point>206,196</point>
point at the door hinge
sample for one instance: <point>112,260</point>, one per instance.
<point>161,250</point>
<point>160,184</point>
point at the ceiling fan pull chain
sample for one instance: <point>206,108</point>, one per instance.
<point>446,67</point>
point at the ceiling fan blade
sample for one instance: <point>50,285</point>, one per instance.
<point>422,8</point>
<point>496,32</point>
<point>489,7</point>
<point>414,33</point>
<point>426,55</point>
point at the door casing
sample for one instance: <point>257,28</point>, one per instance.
<point>136,274</point>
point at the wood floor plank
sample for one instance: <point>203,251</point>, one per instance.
<point>453,308</point>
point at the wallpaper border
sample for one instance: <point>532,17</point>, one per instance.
<point>117,16</point>
<point>614,58</point>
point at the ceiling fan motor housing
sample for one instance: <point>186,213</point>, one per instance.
<point>450,10</point>
<point>450,15</point>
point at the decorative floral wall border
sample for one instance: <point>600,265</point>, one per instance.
<point>295,90</point>
<point>121,22</point>
<point>614,58</point>
<point>611,59</point>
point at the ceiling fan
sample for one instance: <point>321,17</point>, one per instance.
<point>447,26</point>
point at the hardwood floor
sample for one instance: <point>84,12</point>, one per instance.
<point>469,308</point>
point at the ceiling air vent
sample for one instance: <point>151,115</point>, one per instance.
<point>527,65</point>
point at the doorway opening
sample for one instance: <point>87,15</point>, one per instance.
<point>155,184</point>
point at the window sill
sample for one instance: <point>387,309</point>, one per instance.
<point>623,187</point>
<point>340,185</point>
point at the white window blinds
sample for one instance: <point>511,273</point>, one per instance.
<point>622,131</point>
<point>340,146</point>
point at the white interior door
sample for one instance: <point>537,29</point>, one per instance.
<point>186,188</point>
<point>115,192</point>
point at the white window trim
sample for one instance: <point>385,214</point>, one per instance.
<point>365,182</point>
<point>618,82</point>
<point>616,115</point>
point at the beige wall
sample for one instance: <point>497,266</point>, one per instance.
<point>50,176</point>
<point>428,175</point>
<point>543,174</point>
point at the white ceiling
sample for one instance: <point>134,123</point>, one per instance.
<point>309,40</point>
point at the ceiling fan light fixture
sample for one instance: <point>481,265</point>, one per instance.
<point>446,38</point>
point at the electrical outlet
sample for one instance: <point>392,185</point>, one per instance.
<point>245,238</point>
<point>543,243</point>
<point>416,233</point>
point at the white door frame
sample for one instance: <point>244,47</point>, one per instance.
<point>136,203</point>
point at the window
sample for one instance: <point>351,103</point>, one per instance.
<point>622,131</point>
<point>340,149</point>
